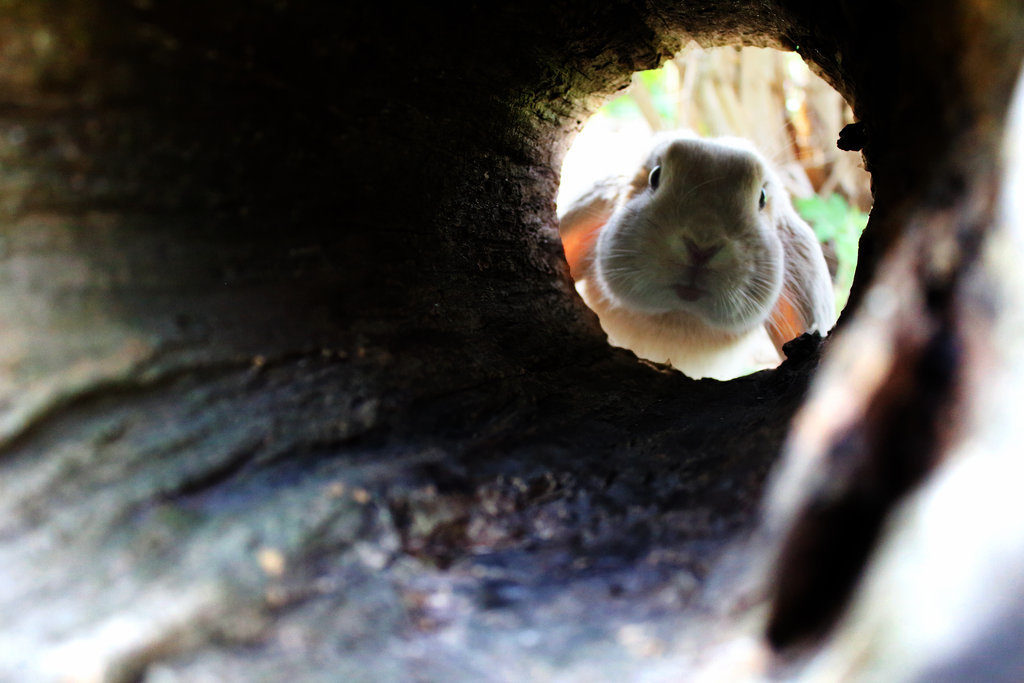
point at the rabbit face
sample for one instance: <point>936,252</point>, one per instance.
<point>697,235</point>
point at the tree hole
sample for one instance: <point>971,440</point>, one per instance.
<point>707,214</point>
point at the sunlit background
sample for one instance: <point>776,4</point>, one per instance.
<point>767,96</point>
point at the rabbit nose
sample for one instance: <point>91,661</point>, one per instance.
<point>698,254</point>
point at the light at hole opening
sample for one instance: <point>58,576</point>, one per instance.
<point>768,97</point>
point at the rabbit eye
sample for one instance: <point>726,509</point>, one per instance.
<point>655,178</point>
<point>763,200</point>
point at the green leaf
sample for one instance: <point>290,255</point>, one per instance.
<point>835,221</point>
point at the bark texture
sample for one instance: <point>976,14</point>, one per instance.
<point>294,382</point>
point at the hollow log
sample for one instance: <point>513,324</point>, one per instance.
<point>294,381</point>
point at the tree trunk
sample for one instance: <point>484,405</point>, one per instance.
<point>295,381</point>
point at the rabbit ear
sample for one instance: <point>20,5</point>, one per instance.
<point>579,225</point>
<point>807,301</point>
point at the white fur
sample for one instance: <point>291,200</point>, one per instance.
<point>657,338</point>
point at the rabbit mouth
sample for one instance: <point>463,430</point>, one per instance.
<point>689,292</point>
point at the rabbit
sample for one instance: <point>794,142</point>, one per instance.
<point>699,260</point>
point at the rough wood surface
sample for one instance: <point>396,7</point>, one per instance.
<point>293,379</point>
